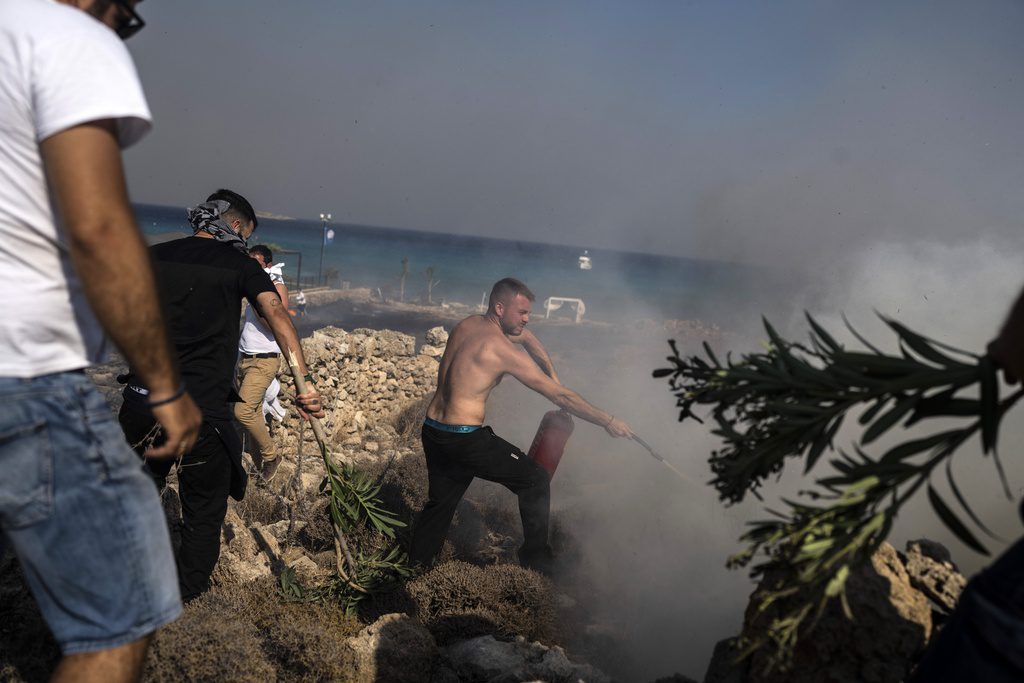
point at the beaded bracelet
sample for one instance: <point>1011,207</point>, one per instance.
<point>170,399</point>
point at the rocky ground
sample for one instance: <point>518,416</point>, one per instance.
<point>899,601</point>
<point>486,621</point>
<point>476,616</point>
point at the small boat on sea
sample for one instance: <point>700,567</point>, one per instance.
<point>585,263</point>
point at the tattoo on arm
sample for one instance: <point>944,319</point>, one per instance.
<point>280,324</point>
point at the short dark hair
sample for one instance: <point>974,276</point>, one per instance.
<point>264,251</point>
<point>238,204</point>
<point>508,287</point>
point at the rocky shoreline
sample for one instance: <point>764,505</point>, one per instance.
<point>476,616</point>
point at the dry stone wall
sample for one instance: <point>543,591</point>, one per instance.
<point>364,378</point>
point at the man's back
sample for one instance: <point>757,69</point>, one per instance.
<point>469,370</point>
<point>202,283</point>
<point>58,68</point>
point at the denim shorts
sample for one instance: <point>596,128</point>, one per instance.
<point>83,518</point>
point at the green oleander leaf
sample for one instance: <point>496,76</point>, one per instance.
<point>989,404</point>
<point>788,402</point>
<point>953,523</point>
<point>888,419</point>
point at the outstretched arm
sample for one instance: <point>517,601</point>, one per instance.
<point>563,397</point>
<point>280,323</point>
<point>83,167</point>
<point>537,352</point>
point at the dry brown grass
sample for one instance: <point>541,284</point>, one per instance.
<point>208,643</point>
<point>261,506</point>
<point>408,421</point>
<point>318,534</point>
<point>457,600</point>
<point>403,483</point>
<point>248,633</point>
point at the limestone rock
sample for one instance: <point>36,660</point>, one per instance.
<point>495,661</point>
<point>932,572</point>
<point>436,336</point>
<point>382,343</point>
<point>267,543</point>
<point>240,559</point>
<point>308,571</point>
<point>279,529</point>
<point>891,626</point>
<point>931,549</point>
<point>311,480</point>
<point>431,351</point>
<point>394,648</point>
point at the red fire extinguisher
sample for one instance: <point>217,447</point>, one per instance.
<point>549,442</point>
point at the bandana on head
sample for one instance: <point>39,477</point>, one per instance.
<point>207,218</point>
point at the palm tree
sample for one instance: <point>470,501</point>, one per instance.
<point>401,278</point>
<point>431,283</point>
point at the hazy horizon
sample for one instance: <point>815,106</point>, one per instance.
<point>732,131</point>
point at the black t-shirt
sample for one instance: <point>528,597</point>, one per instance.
<point>201,284</point>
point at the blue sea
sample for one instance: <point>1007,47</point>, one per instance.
<point>621,285</point>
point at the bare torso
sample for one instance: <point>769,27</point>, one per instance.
<point>470,368</point>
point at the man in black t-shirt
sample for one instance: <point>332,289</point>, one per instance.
<point>202,280</point>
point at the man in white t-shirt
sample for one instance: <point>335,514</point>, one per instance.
<point>259,359</point>
<point>81,515</point>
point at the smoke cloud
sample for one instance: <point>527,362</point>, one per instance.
<point>648,548</point>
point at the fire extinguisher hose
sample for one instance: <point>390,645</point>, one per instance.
<point>665,462</point>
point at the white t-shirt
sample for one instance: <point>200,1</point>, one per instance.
<point>59,68</point>
<point>256,338</point>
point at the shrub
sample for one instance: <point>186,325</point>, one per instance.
<point>248,633</point>
<point>456,600</point>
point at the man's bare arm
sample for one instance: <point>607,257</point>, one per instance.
<point>537,352</point>
<point>282,292</point>
<point>83,166</point>
<point>563,397</point>
<point>280,323</point>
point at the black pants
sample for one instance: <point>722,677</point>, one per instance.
<point>453,460</point>
<point>204,480</point>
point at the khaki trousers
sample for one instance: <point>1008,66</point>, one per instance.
<point>255,375</point>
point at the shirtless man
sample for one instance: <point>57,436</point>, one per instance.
<point>457,445</point>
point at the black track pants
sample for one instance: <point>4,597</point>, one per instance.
<point>204,479</point>
<point>453,460</point>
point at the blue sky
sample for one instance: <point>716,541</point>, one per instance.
<point>756,131</point>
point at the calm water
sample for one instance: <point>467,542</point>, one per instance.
<point>620,286</point>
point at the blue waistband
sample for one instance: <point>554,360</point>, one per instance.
<point>458,429</point>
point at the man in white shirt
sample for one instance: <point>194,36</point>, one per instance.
<point>81,515</point>
<point>259,359</point>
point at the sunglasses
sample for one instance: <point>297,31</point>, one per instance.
<point>131,24</point>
